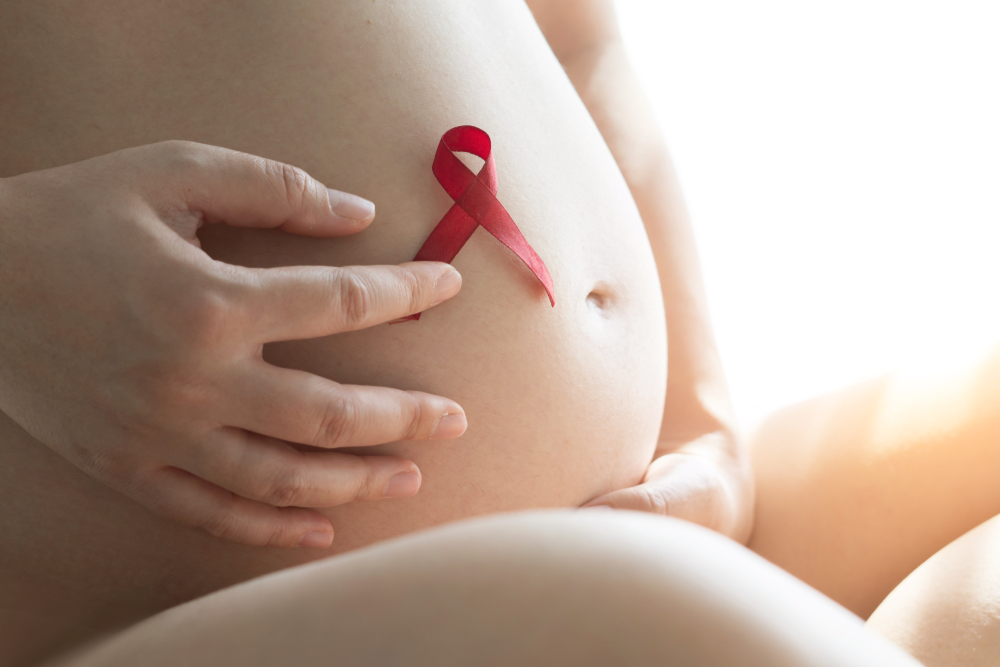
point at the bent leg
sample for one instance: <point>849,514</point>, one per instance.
<point>545,588</point>
<point>857,488</point>
<point>947,612</point>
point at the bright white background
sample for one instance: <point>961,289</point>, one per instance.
<point>841,161</point>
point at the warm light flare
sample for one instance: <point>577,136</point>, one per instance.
<point>841,164</point>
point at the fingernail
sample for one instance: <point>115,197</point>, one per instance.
<point>449,426</point>
<point>350,206</point>
<point>316,540</point>
<point>447,286</point>
<point>401,485</point>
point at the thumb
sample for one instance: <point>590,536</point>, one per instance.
<point>222,185</point>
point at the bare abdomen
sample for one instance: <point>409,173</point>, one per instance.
<point>563,404</point>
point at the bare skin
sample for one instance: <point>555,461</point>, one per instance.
<point>701,471</point>
<point>859,487</point>
<point>144,368</point>
<point>947,611</point>
<point>564,405</point>
<point>884,497</point>
<point>548,588</point>
<point>543,447</point>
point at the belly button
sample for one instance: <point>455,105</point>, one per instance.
<point>601,299</point>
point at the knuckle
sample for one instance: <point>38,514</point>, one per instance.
<point>169,392</point>
<point>364,485</point>
<point>109,468</point>
<point>223,522</point>
<point>91,461</point>
<point>182,157</point>
<point>368,485</point>
<point>417,418</point>
<point>130,482</point>
<point>417,291</point>
<point>359,480</point>
<point>338,422</point>
<point>287,489</point>
<point>356,299</point>
<point>654,500</point>
<point>180,394</point>
<point>145,485</point>
<point>205,318</point>
<point>178,146</point>
<point>294,182</point>
<point>280,535</point>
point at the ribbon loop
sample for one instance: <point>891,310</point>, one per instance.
<point>475,204</point>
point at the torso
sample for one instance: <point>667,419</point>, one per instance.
<point>563,404</point>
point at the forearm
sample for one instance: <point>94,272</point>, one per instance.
<point>697,417</point>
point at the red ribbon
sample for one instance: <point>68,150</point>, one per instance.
<point>475,204</point>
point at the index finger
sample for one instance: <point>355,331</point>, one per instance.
<point>293,303</point>
<point>245,190</point>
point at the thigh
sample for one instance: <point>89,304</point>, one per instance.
<point>857,488</point>
<point>583,588</point>
<point>947,612</point>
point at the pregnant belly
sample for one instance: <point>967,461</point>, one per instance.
<point>563,403</point>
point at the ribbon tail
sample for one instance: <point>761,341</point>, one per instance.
<point>483,205</point>
<point>511,237</point>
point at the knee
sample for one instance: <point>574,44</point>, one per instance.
<point>946,612</point>
<point>610,554</point>
<point>618,588</point>
<point>599,552</point>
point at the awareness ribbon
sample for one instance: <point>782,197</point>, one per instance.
<point>475,204</point>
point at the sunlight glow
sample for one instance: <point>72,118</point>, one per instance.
<point>842,165</point>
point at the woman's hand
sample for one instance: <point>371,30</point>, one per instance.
<point>130,352</point>
<point>701,471</point>
<point>706,481</point>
